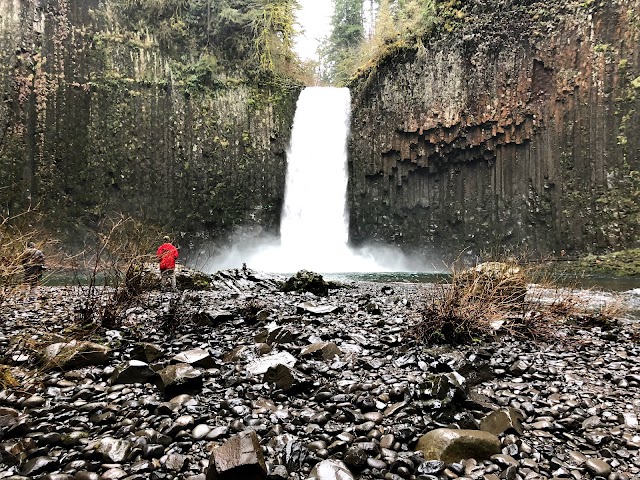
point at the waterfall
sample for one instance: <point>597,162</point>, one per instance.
<point>314,228</point>
<point>314,216</point>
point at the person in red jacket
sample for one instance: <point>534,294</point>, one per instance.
<point>167,255</point>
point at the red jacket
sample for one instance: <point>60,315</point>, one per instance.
<point>167,255</point>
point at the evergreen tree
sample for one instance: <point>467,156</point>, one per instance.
<point>347,35</point>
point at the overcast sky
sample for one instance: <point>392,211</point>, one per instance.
<point>314,18</point>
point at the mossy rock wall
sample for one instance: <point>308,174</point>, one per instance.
<point>97,120</point>
<point>516,128</point>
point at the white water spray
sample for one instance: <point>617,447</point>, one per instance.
<point>314,225</point>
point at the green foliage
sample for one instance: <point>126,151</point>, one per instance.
<point>246,35</point>
<point>346,37</point>
<point>398,25</point>
<point>273,34</point>
<point>625,263</point>
<point>202,75</point>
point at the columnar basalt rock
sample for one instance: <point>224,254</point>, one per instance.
<point>515,129</point>
<point>96,119</point>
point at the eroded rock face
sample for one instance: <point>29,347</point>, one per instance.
<point>502,131</point>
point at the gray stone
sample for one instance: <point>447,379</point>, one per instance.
<point>133,371</point>
<point>85,475</point>
<point>196,357</point>
<point>274,334</point>
<point>74,354</point>
<point>200,431</point>
<point>326,350</point>
<point>355,457</point>
<point>113,474</point>
<point>239,457</point>
<point>330,470</point>
<point>262,364</point>
<point>113,450</point>
<point>180,378</point>
<point>598,467</point>
<point>288,379</point>
<point>147,352</point>
<point>175,462</point>
<point>34,401</point>
<point>503,421</point>
<point>308,307</point>
<point>39,465</point>
<point>211,317</point>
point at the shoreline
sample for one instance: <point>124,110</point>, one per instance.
<point>365,404</point>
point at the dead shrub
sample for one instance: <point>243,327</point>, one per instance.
<point>7,380</point>
<point>114,273</point>
<point>250,309</point>
<point>15,232</point>
<point>499,298</point>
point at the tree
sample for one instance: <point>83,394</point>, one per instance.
<point>346,37</point>
<point>273,33</point>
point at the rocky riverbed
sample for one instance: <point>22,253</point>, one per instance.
<point>296,386</point>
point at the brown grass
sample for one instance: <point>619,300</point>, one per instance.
<point>502,298</point>
<point>15,232</point>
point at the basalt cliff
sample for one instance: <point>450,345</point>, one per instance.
<point>517,128</point>
<point>513,126</point>
<point>99,118</point>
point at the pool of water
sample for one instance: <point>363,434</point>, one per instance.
<point>612,284</point>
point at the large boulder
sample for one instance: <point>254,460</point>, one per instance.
<point>74,354</point>
<point>188,279</point>
<point>450,445</point>
<point>305,281</point>
<point>239,458</point>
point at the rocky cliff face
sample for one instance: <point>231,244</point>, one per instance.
<point>96,120</point>
<point>518,129</point>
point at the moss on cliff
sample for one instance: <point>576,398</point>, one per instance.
<point>625,263</point>
<point>515,130</point>
<point>133,107</point>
